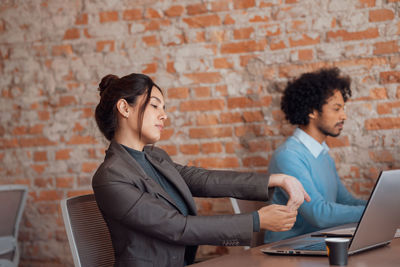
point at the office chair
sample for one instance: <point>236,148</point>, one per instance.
<point>248,206</point>
<point>12,204</point>
<point>88,234</point>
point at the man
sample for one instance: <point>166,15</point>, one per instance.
<point>315,102</point>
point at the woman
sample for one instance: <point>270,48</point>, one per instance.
<point>147,199</point>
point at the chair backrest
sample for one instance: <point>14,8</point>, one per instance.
<point>88,234</point>
<point>12,204</point>
<point>248,206</point>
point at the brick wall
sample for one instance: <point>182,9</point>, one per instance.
<point>223,65</point>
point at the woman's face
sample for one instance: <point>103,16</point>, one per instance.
<point>153,118</point>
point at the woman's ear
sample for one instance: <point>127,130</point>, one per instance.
<point>123,108</point>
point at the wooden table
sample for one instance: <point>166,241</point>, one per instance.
<point>387,256</point>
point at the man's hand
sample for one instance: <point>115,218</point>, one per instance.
<point>293,188</point>
<point>277,218</point>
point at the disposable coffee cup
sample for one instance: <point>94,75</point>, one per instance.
<point>337,250</point>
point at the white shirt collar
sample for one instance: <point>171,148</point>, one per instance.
<point>310,143</point>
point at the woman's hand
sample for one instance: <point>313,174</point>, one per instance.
<point>277,218</point>
<point>293,188</point>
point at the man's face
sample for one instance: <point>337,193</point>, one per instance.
<point>330,121</point>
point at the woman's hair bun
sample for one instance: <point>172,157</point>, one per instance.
<point>106,82</point>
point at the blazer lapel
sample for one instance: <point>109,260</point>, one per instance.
<point>136,168</point>
<point>175,178</point>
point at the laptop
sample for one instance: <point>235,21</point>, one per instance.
<point>377,226</point>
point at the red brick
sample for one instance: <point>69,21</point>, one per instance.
<point>151,40</point>
<point>43,182</point>
<point>208,148</point>
<point>227,118</point>
<point>202,105</point>
<point>155,25</point>
<point>352,36</point>
<point>380,15</point>
<point>382,123</point>
<point>39,168</point>
<point>8,143</point>
<point>108,16</point>
<point>70,34</point>
<point>220,5</point>
<point>62,50</point>
<point>178,93</point>
<point>207,119</point>
<point>242,4</point>
<point>150,68</point>
<point>277,45</point>
<point>89,166</point>
<point>170,67</point>
<point>253,116</point>
<point>196,9</point>
<point>65,182</point>
<point>204,77</point>
<point>189,149</point>
<point>203,21</point>
<point>228,20</point>
<point>166,134</point>
<point>243,47</point>
<point>390,77</point>
<point>386,48</point>
<point>243,33</point>
<point>381,156</point>
<point>63,154</point>
<point>255,161</point>
<point>398,92</point>
<point>203,91</point>
<point>214,163</point>
<point>245,102</point>
<point>258,18</point>
<point>249,130</point>
<point>132,14</point>
<point>222,63</point>
<point>40,156</point>
<point>210,132</point>
<point>20,130</point>
<point>306,54</point>
<point>81,19</point>
<point>305,40</point>
<point>81,140</point>
<point>67,101</point>
<point>152,14</point>
<point>387,108</point>
<point>47,208</point>
<point>174,11</point>
<point>222,90</point>
<point>259,146</point>
<point>36,141</point>
<point>200,37</point>
<point>105,46</point>
<point>340,141</point>
<point>170,149</point>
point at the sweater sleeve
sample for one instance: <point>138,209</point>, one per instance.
<point>318,212</point>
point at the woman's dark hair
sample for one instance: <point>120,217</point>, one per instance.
<point>310,92</point>
<point>112,89</point>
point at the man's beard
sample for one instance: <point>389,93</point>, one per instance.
<point>329,133</point>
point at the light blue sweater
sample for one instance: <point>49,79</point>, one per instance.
<point>331,203</point>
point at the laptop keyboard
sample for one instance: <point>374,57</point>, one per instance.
<point>313,247</point>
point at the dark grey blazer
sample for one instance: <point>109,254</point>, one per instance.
<point>146,226</point>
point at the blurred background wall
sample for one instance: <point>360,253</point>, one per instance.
<point>223,65</point>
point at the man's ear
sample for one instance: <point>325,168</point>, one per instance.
<point>123,108</point>
<point>313,115</point>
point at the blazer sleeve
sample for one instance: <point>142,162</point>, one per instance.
<point>137,209</point>
<point>220,183</point>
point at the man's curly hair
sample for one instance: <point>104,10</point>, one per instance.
<point>310,92</point>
